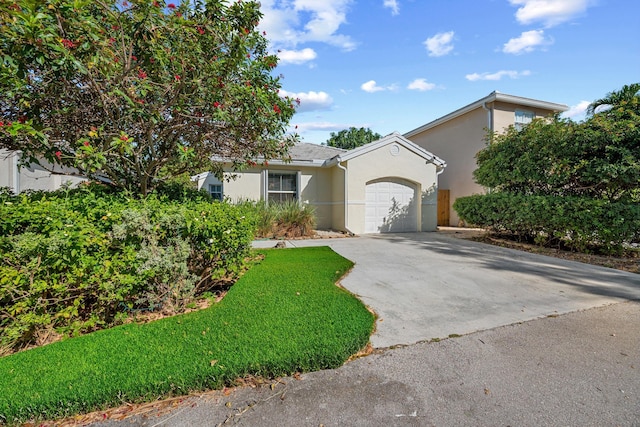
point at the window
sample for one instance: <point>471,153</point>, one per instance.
<point>282,187</point>
<point>523,118</point>
<point>216,191</point>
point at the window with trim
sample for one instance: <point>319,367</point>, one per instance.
<point>523,118</point>
<point>282,187</point>
<point>216,191</point>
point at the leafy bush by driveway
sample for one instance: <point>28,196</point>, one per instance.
<point>79,260</point>
<point>563,182</point>
<point>576,222</point>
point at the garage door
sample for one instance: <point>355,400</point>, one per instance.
<point>390,208</point>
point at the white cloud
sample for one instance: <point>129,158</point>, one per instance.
<point>310,101</point>
<point>297,56</point>
<point>527,42</point>
<point>371,86</point>
<point>393,5</point>
<point>440,44</point>
<point>549,12</point>
<point>421,85</point>
<point>578,110</point>
<point>321,126</point>
<point>498,75</point>
<point>289,23</point>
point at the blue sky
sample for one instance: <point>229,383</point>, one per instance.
<point>394,65</point>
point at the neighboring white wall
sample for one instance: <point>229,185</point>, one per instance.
<point>457,141</point>
<point>33,177</point>
<point>8,175</point>
<point>504,114</point>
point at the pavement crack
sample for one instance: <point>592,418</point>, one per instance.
<point>254,403</point>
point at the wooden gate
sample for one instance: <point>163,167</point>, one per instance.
<point>443,208</point>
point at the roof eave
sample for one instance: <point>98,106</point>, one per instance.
<point>304,163</point>
<point>529,102</point>
<point>492,97</point>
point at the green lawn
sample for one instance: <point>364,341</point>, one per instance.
<point>284,315</point>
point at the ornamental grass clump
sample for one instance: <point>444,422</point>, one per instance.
<point>294,220</point>
<point>283,219</point>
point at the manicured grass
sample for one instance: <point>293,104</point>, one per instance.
<point>284,315</point>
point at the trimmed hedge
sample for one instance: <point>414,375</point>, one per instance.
<point>580,223</point>
<point>79,260</point>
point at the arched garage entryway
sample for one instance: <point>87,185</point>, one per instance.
<point>390,206</point>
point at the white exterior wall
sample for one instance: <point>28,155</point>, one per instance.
<point>315,188</point>
<point>338,198</point>
<point>236,186</point>
<point>33,177</point>
<point>406,166</point>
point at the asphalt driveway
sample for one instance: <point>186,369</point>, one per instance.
<point>432,285</point>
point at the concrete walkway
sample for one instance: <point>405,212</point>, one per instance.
<point>431,285</point>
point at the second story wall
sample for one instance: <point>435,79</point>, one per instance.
<point>457,141</point>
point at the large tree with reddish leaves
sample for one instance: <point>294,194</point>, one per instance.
<point>138,91</point>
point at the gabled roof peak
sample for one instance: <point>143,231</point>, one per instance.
<point>394,137</point>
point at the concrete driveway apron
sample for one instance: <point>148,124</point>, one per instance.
<point>432,285</point>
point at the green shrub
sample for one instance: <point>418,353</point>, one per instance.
<point>580,223</point>
<point>76,260</point>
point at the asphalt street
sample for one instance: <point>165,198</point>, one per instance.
<point>577,369</point>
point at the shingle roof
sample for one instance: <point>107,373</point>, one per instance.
<point>304,151</point>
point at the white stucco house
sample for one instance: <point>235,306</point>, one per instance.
<point>389,185</point>
<point>393,184</point>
